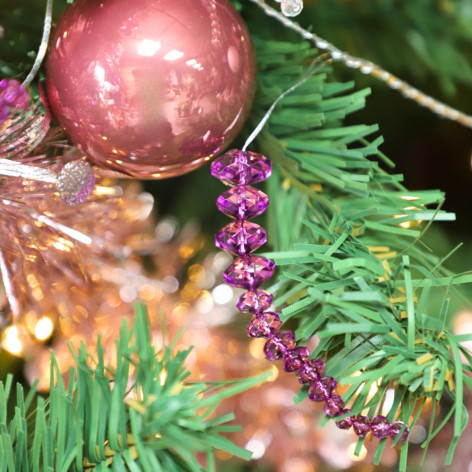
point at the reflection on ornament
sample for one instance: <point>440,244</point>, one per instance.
<point>150,88</point>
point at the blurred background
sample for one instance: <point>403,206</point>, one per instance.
<point>169,225</point>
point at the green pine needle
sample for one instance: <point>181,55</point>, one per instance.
<point>139,415</point>
<point>347,239</point>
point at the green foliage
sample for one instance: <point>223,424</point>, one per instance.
<point>416,39</point>
<point>347,239</point>
<point>22,23</point>
<point>140,415</point>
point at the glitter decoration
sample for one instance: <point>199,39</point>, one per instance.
<point>76,182</point>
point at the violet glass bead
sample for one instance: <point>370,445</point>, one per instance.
<point>237,167</point>
<point>264,325</point>
<point>322,389</point>
<point>295,358</point>
<point>361,425</point>
<point>311,370</point>
<point>345,423</point>
<point>249,272</point>
<point>276,346</point>
<point>13,96</point>
<point>380,427</point>
<point>334,406</point>
<point>242,202</point>
<point>395,430</point>
<point>240,237</point>
<point>254,302</point>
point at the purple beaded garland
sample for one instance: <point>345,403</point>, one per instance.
<point>13,97</point>
<point>249,272</point>
<point>243,202</point>
<point>295,358</point>
<point>334,406</point>
<point>240,237</point>
<point>380,427</point>
<point>321,389</point>
<point>395,429</point>
<point>361,425</point>
<point>278,344</point>
<point>345,423</point>
<point>254,302</point>
<point>311,370</point>
<point>264,325</point>
<point>239,169</point>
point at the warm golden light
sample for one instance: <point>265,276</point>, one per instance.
<point>11,341</point>
<point>274,375</point>
<point>44,328</point>
<point>163,377</point>
<point>256,348</point>
<point>351,451</point>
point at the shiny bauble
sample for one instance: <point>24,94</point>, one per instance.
<point>151,88</point>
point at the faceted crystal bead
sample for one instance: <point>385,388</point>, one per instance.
<point>395,430</point>
<point>334,406</point>
<point>242,202</point>
<point>361,425</point>
<point>295,358</point>
<point>237,167</point>
<point>13,97</point>
<point>240,237</point>
<point>345,423</point>
<point>380,427</point>
<point>311,370</point>
<point>276,346</point>
<point>322,389</point>
<point>264,325</point>
<point>249,272</point>
<point>254,302</point>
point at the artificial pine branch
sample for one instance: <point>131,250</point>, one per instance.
<point>139,415</point>
<point>347,236</point>
<point>422,40</point>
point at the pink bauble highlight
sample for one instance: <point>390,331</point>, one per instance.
<point>151,88</point>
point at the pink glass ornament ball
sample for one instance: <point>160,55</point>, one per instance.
<point>151,88</point>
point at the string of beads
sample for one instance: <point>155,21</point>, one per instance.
<point>239,170</point>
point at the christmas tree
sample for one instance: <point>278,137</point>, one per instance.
<point>366,278</point>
